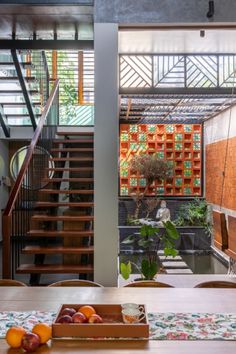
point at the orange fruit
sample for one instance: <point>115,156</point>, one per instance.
<point>44,331</point>
<point>87,310</point>
<point>14,336</point>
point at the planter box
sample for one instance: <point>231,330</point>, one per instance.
<point>191,238</point>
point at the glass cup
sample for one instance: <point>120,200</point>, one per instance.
<point>132,315</point>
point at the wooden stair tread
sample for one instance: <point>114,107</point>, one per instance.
<point>72,169</point>
<point>73,150</point>
<point>67,191</point>
<point>63,233</point>
<point>57,249</point>
<point>79,179</point>
<point>54,268</point>
<point>41,217</point>
<point>73,141</point>
<point>79,159</point>
<point>59,204</point>
<point>74,133</point>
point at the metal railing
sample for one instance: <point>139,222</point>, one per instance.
<point>35,167</point>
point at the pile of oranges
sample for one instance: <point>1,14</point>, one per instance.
<point>18,337</point>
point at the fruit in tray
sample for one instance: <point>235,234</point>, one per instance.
<point>65,319</point>
<point>95,319</point>
<point>68,311</point>
<point>87,310</point>
<point>79,317</point>
<point>85,314</point>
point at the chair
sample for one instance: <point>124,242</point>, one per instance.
<point>216,284</point>
<point>148,284</point>
<point>75,282</point>
<point>11,282</point>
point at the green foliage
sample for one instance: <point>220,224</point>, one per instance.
<point>125,270</point>
<point>193,213</point>
<point>149,269</point>
<point>151,167</point>
<point>150,239</point>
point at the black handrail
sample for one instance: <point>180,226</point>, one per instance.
<point>25,174</point>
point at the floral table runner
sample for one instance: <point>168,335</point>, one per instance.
<point>163,326</point>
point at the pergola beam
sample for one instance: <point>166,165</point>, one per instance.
<point>38,44</point>
<point>189,91</point>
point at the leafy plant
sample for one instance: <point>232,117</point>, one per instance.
<point>194,213</point>
<point>150,240</point>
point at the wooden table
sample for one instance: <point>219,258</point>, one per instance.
<point>158,300</point>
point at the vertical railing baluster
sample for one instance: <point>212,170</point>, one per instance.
<point>18,212</point>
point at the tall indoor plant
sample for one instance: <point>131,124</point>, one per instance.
<point>152,168</point>
<point>150,239</point>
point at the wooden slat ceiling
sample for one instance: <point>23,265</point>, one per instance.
<point>173,108</point>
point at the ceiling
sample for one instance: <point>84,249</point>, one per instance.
<point>177,41</point>
<point>175,105</point>
<point>44,21</point>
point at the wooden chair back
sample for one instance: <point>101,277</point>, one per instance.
<point>148,284</point>
<point>216,284</point>
<point>11,282</point>
<point>75,282</point>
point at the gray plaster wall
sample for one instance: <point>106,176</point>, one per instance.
<point>162,11</point>
<point>106,154</point>
<point>4,163</point>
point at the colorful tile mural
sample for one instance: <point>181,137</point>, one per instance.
<point>180,144</point>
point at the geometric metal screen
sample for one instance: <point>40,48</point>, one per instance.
<point>75,70</point>
<point>185,71</point>
<point>180,144</point>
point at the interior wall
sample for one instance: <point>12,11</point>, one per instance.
<point>163,11</point>
<point>4,163</point>
<point>220,161</point>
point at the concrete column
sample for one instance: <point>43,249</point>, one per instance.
<point>106,153</point>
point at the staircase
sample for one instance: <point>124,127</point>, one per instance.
<point>23,88</point>
<point>60,239</point>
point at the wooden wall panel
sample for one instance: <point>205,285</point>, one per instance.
<point>220,230</point>
<point>231,251</point>
<point>221,190</point>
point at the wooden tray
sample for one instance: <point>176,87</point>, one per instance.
<point>112,327</point>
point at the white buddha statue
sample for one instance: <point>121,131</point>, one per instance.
<point>163,214</point>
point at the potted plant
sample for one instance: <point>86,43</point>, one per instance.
<point>151,168</point>
<point>150,239</point>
